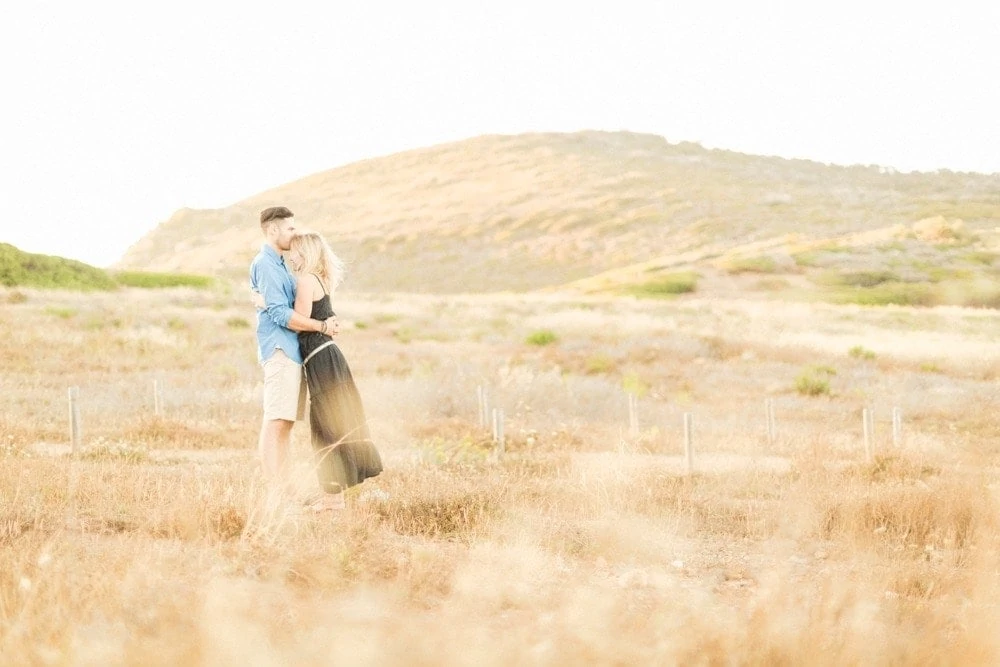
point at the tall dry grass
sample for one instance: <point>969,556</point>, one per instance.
<point>158,543</point>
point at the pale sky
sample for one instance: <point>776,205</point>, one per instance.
<point>116,115</point>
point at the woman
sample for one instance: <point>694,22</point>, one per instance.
<point>345,454</point>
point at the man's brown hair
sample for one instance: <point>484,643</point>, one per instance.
<point>274,214</point>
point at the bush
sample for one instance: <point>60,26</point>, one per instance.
<point>61,313</point>
<point>633,384</point>
<point>866,278</point>
<point>984,257</point>
<point>543,337</point>
<point>983,301</point>
<point>980,296</point>
<point>807,258</point>
<point>668,285</point>
<point>16,297</point>
<point>814,381</point>
<point>751,265</point>
<point>598,364</point>
<point>859,352</point>
<point>771,284</point>
<point>151,280</point>
<point>24,269</point>
<point>899,294</point>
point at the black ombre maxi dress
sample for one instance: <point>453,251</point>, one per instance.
<point>345,454</point>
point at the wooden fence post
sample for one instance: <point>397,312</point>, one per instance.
<point>688,446</point>
<point>498,436</point>
<point>501,439</point>
<point>868,428</point>
<point>484,407</point>
<point>769,418</point>
<point>633,415</point>
<point>479,402</point>
<point>74,420</point>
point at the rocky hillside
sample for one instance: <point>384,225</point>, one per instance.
<point>540,210</point>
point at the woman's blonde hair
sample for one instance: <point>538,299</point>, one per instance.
<point>319,258</point>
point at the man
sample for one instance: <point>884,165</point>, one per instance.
<point>277,341</point>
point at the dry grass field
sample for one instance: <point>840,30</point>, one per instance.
<point>583,543</point>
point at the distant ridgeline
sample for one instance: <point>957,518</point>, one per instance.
<point>603,211</point>
<point>25,269</point>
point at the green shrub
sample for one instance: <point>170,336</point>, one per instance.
<point>633,384</point>
<point>599,364</point>
<point>814,380</point>
<point>543,337</point>
<point>100,323</point>
<point>16,297</point>
<point>900,294</point>
<point>24,269</point>
<point>808,258</point>
<point>859,352</point>
<point>667,285</point>
<point>237,322</point>
<point>771,284</point>
<point>981,298</point>
<point>61,313</point>
<point>984,257</point>
<point>151,280</point>
<point>937,274</point>
<point>751,265</point>
<point>866,278</point>
<point>19,268</point>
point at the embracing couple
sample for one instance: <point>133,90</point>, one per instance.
<point>292,278</point>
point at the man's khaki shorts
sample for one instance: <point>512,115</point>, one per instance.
<point>284,389</point>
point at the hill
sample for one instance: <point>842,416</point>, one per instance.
<point>540,210</point>
<point>24,269</point>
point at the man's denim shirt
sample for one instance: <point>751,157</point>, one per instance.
<point>270,277</point>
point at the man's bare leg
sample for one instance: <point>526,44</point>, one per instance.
<point>273,446</point>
